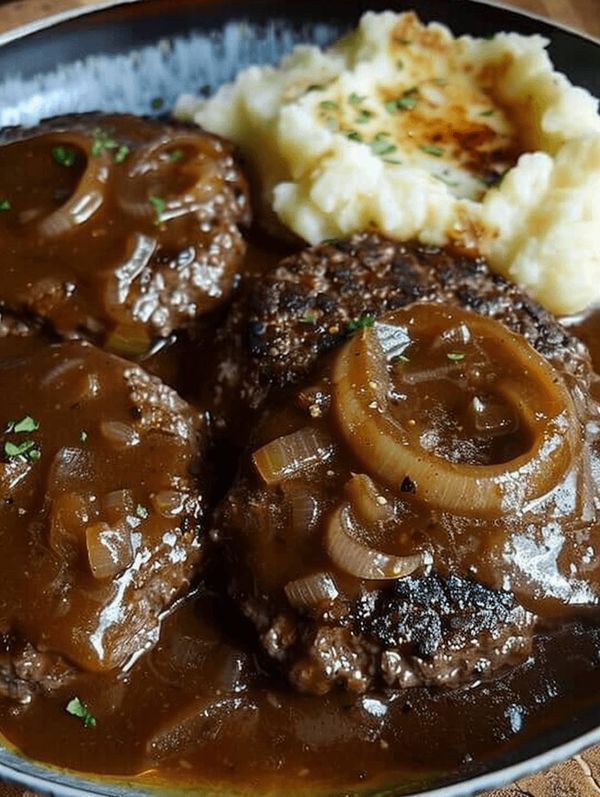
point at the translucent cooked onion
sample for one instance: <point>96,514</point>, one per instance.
<point>87,198</point>
<point>119,434</point>
<point>368,505</point>
<point>118,505</point>
<point>303,507</point>
<point>70,513</point>
<point>392,451</point>
<point>291,455</point>
<point>201,182</point>
<point>169,503</point>
<point>358,559</point>
<point>312,591</point>
<point>109,549</point>
<point>129,340</point>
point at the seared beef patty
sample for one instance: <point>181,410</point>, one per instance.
<point>103,504</point>
<point>422,486</point>
<point>286,319</point>
<point>118,228</point>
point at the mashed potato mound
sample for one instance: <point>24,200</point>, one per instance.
<point>404,128</point>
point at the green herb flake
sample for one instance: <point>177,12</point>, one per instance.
<point>404,42</point>
<point>34,454</point>
<point>455,356</point>
<point>381,145</point>
<point>103,140</point>
<point>157,103</point>
<point>354,135</point>
<point>176,155</point>
<point>489,112</point>
<point>399,63</point>
<point>159,204</point>
<point>315,87</point>
<point>83,436</point>
<point>405,102</point>
<point>78,709</point>
<point>393,161</point>
<point>309,318</point>
<point>26,424</point>
<point>363,117</point>
<point>402,358</point>
<point>18,449</point>
<point>5,204</point>
<point>356,99</point>
<point>121,153</point>
<point>332,124</point>
<point>141,511</point>
<point>329,105</point>
<point>64,156</point>
<point>205,90</point>
<point>432,149</point>
<point>362,322</point>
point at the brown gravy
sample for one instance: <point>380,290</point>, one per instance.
<point>200,709</point>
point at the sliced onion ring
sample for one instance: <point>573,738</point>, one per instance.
<point>312,591</point>
<point>359,560</point>
<point>87,198</point>
<point>391,452</point>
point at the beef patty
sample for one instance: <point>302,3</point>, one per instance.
<point>118,228</point>
<point>421,486</point>
<point>284,320</point>
<point>103,507</point>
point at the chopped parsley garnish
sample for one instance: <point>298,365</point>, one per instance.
<point>64,156</point>
<point>329,105</point>
<point>309,318</point>
<point>355,99</point>
<point>26,448</point>
<point>363,117</point>
<point>103,140</point>
<point>315,87</point>
<point>176,155</point>
<point>404,41</point>
<point>455,356</point>
<point>157,103</point>
<point>159,204</point>
<point>362,322</point>
<point>381,145</point>
<point>432,149</point>
<point>83,436</point>
<point>141,511</point>
<point>26,424</point>
<point>121,153</point>
<point>402,358</point>
<point>5,204</point>
<point>78,709</point>
<point>393,161</point>
<point>404,102</point>
<point>354,135</point>
<point>489,112</point>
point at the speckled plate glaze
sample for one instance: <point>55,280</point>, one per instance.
<point>122,56</point>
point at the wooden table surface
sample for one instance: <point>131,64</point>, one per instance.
<point>579,777</point>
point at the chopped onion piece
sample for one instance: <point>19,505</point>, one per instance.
<point>69,515</point>
<point>312,591</point>
<point>109,549</point>
<point>118,504</point>
<point>368,505</point>
<point>304,508</point>
<point>359,560</point>
<point>121,435</point>
<point>291,455</point>
<point>169,503</point>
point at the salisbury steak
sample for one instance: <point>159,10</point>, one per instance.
<point>118,228</point>
<point>103,503</point>
<point>408,512</point>
<point>286,319</point>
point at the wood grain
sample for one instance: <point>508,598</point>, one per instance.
<point>580,776</point>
